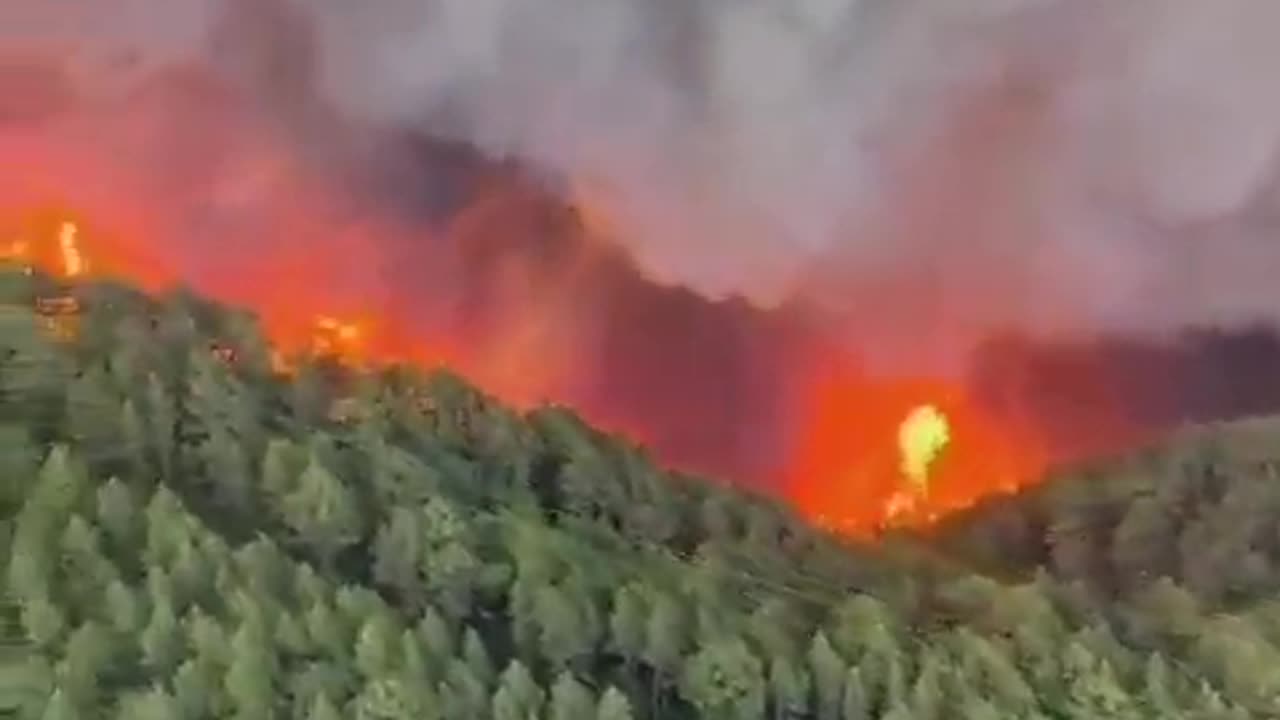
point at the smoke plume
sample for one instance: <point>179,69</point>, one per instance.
<point>756,185</point>
<point>1101,162</point>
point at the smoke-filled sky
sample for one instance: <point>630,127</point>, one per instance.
<point>1113,160</point>
<point>747,147</point>
<point>907,176</point>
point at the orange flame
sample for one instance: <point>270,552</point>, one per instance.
<point>58,254</point>
<point>339,339</point>
<point>73,263</point>
<point>313,269</point>
<point>846,474</point>
<point>17,251</point>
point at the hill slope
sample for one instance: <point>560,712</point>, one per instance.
<point>1201,507</point>
<point>193,529</point>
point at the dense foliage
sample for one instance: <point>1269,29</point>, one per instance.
<point>190,532</point>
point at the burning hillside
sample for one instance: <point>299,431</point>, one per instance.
<point>513,289</point>
<point>377,242</point>
<point>720,387</point>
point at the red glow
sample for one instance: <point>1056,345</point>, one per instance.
<point>498,292</point>
<point>846,471</point>
<point>843,471</point>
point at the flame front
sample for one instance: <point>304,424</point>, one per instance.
<point>504,290</point>
<point>53,248</point>
<point>336,337</point>
<point>870,452</point>
<point>922,437</point>
<point>73,264</point>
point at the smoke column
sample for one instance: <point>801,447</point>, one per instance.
<point>1107,164</point>
<point>761,183</point>
<point>1104,163</point>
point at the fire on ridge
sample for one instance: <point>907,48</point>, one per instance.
<point>236,176</point>
<point>506,285</point>
<point>901,451</point>
<point>443,257</point>
<point>871,452</point>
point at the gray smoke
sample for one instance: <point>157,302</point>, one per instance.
<point>914,166</point>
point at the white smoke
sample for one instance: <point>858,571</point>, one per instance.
<point>744,146</point>
<point>1019,161</point>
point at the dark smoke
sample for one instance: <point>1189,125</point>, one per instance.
<point>754,162</point>
<point>1073,154</point>
<point>1116,159</point>
<point>705,382</point>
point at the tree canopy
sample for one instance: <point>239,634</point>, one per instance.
<point>191,534</point>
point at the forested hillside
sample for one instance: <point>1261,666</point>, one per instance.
<point>197,528</point>
<point>1202,508</point>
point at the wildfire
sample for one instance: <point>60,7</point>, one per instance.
<point>335,337</point>
<point>875,452</point>
<point>58,253</point>
<point>326,337</point>
<point>18,251</point>
<point>872,451</point>
<point>73,264</point>
<point>922,437</point>
<point>505,300</point>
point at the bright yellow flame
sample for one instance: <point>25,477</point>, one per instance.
<point>334,337</point>
<point>347,332</point>
<point>72,260</point>
<point>900,503</point>
<point>922,437</point>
